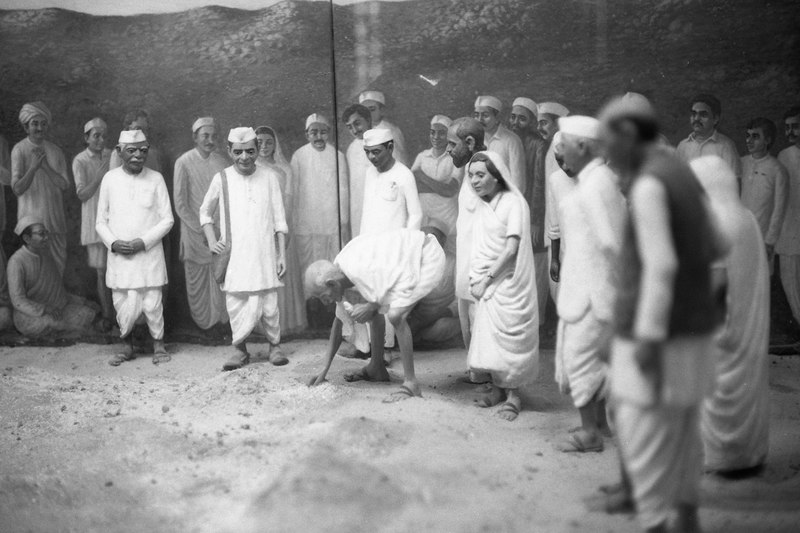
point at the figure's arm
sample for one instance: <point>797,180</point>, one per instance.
<point>334,341</point>
<point>16,291</point>
<point>597,201</point>
<point>780,195</point>
<point>555,260</point>
<point>427,184</point>
<point>101,222</point>
<point>154,235</point>
<point>21,174</point>
<point>207,208</point>
<point>413,206</point>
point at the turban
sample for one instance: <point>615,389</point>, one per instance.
<point>203,121</point>
<point>489,101</point>
<point>316,118</point>
<point>26,222</point>
<point>441,120</point>
<point>580,126</point>
<point>527,103</point>
<point>552,108</point>
<point>241,135</point>
<point>95,123</point>
<point>131,137</point>
<point>630,105</point>
<point>377,136</point>
<point>374,96</point>
<point>31,109</point>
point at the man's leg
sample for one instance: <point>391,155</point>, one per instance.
<point>375,369</point>
<point>541,265</point>
<point>790,279</point>
<point>242,309</point>
<point>154,313</point>
<point>128,305</point>
<point>270,325</point>
<point>688,495</point>
<point>410,385</point>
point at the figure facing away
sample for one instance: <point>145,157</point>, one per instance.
<point>41,304</point>
<point>505,333</point>
<point>88,168</point>
<point>38,177</point>
<point>735,419</point>
<point>250,197</point>
<point>133,216</point>
<point>193,173</point>
<point>375,276</point>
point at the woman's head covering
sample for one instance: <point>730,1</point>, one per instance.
<point>499,164</point>
<point>280,159</point>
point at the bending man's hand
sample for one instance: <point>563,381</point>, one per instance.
<point>364,312</point>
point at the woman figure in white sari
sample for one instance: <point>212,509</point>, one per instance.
<point>505,334</point>
<point>291,301</point>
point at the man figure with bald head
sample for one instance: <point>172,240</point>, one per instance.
<point>248,196</point>
<point>88,168</point>
<point>38,177</point>
<point>133,216</point>
<point>193,173</point>
<point>375,101</point>
<point>500,139</point>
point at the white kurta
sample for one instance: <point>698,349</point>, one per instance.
<point>256,216</point>
<point>390,201</point>
<point>134,207</point>
<point>443,170</point>
<point>508,146</point>
<point>357,166</point>
<point>788,245</point>
<point>314,186</point>
<point>765,189</point>
<point>717,144</point>
<point>88,169</point>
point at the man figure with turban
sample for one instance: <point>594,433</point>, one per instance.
<point>257,246</point>
<point>133,216</point>
<point>38,177</point>
<point>375,101</point>
<point>88,168</point>
<point>193,173</point>
<point>500,139</point>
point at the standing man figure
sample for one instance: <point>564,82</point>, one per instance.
<point>706,139</point>
<point>133,216</point>
<point>258,245</point>
<point>665,316</point>
<point>88,168</point>
<point>321,214</point>
<point>560,183</point>
<point>357,118</point>
<point>376,103</point>
<point>38,175</point>
<point>788,245</point>
<point>523,122</point>
<point>193,173</point>
<point>500,139</point>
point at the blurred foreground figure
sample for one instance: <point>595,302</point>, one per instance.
<point>133,216</point>
<point>505,333</point>
<point>193,173</point>
<point>735,420</point>
<point>375,276</point>
<point>42,305</point>
<point>88,168</point>
<point>38,177</point>
<point>592,218</point>
<point>788,245</point>
<point>252,198</point>
<point>661,366</point>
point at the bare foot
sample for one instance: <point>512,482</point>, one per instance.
<point>510,409</point>
<point>367,374</point>
<point>407,390</point>
<point>160,354</point>
<point>126,353</point>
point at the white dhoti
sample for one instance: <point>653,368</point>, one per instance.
<point>581,347</point>
<point>541,266</point>
<point>790,279</point>
<point>130,304</point>
<point>206,301</point>
<point>254,311</point>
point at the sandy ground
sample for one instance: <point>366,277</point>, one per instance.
<point>183,447</point>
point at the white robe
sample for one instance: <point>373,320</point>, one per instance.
<point>357,166</point>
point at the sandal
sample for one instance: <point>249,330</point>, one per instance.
<point>508,411</point>
<point>399,395</point>
<point>161,357</point>
<point>120,358</point>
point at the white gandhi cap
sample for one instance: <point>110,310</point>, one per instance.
<point>441,120</point>
<point>552,108</point>
<point>489,101</point>
<point>316,118</point>
<point>131,136</point>
<point>374,96</point>
<point>527,103</point>
<point>241,135</point>
<point>580,126</point>
<point>377,136</point>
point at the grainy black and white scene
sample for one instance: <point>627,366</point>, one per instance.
<point>466,266</point>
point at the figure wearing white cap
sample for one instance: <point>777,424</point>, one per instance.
<point>391,200</point>
<point>88,168</point>
<point>438,180</point>
<point>523,121</point>
<point>38,177</point>
<point>375,101</point>
<point>358,120</point>
<point>139,119</point>
<point>500,139</point>
<point>191,179</point>
<point>133,216</point>
<point>257,246</point>
<point>592,217</point>
<point>41,303</point>
<point>321,212</point>
<point>559,185</point>
<point>548,115</point>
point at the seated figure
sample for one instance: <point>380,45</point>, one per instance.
<point>41,304</point>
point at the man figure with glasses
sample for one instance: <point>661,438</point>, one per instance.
<point>133,216</point>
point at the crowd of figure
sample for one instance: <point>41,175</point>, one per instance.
<point>657,259</point>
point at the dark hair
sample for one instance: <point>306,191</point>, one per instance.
<point>466,126</point>
<point>130,116</point>
<point>490,166</point>
<point>767,126</point>
<point>792,112</point>
<point>711,101</point>
<point>266,129</point>
<point>357,109</point>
